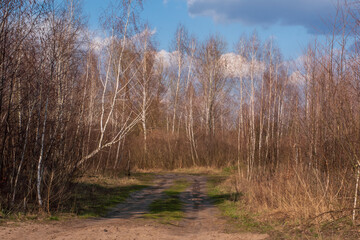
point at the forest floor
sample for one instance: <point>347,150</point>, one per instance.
<point>176,206</point>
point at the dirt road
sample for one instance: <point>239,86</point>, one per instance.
<point>202,220</point>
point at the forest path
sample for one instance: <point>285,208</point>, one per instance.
<point>202,219</point>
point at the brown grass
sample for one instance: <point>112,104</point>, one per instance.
<point>303,195</point>
<point>190,170</point>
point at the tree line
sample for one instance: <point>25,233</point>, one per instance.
<point>70,105</point>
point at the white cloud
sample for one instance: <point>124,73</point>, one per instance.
<point>164,57</point>
<point>237,66</point>
<point>297,78</point>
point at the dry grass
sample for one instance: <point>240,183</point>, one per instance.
<point>109,181</point>
<point>190,170</point>
<point>302,201</point>
<point>300,194</point>
<point>199,170</point>
<point>288,204</point>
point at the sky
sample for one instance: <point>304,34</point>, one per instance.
<point>291,23</point>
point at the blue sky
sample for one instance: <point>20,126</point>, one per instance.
<point>292,23</point>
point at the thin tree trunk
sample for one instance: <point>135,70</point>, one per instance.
<point>39,167</point>
<point>356,192</point>
<point>22,155</point>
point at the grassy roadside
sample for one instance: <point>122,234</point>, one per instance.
<point>232,207</point>
<point>92,196</point>
<point>95,195</point>
<point>244,216</point>
<point>169,209</point>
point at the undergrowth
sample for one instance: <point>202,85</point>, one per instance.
<point>91,196</point>
<point>286,205</point>
<point>231,205</point>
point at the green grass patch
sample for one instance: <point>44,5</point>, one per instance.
<point>229,170</point>
<point>95,197</point>
<point>54,218</point>
<point>90,196</point>
<point>178,187</point>
<point>169,209</point>
<point>92,200</point>
<point>166,210</point>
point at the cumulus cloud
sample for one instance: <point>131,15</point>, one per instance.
<point>238,67</point>
<point>235,65</point>
<point>310,14</point>
<point>297,78</point>
<point>164,57</point>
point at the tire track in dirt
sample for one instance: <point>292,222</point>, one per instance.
<point>202,219</point>
<point>200,213</point>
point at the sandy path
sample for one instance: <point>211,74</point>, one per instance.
<point>125,221</point>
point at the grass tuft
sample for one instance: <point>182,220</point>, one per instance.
<point>169,209</point>
<point>54,218</point>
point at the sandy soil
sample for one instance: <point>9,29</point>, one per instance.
<point>125,221</point>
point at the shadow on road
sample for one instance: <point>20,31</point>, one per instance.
<point>195,200</point>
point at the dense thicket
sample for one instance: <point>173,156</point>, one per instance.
<point>70,104</point>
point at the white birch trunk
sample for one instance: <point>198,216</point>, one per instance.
<point>39,167</point>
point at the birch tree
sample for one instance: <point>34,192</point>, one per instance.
<point>119,25</point>
<point>212,81</point>
<point>180,44</point>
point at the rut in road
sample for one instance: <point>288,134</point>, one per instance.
<point>197,206</point>
<point>200,213</point>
